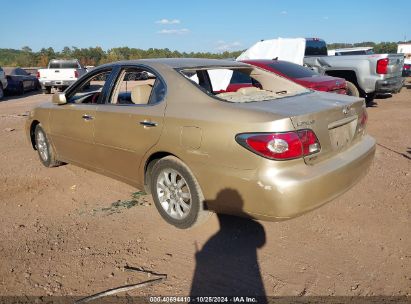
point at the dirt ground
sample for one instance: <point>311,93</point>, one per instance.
<point>68,231</point>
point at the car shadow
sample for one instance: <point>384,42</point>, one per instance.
<point>371,104</point>
<point>383,96</point>
<point>227,264</point>
<point>374,103</point>
<point>12,96</point>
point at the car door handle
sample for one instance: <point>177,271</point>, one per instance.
<point>87,117</point>
<point>148,123</point>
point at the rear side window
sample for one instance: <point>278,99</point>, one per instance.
<point>315,48</point>
<point>137,86</point>
<point>292,70</point>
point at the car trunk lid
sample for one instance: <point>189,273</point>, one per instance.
<point>334,119</point>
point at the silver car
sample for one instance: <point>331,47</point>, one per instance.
<point>3,83</point>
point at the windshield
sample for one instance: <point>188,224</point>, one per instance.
<point>244,84</point>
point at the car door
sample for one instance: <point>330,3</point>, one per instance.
<point>21,75</point>
<point>72,124</point>
<point>130,122</point>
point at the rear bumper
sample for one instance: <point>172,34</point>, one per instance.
<point>390,85</point>
<point>56,83</point>
<point>272,193</point>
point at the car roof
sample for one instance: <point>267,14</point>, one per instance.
<point>179,63</point>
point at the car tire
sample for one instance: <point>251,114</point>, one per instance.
<point>47,90</point>
<point>46,152</point>
<point>369,98</point>
<point>1,92</point>
<point>352,90</point>
<point>177,194</point>
<point>20,88</point>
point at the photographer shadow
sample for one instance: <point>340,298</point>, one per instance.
<point>227,264</point>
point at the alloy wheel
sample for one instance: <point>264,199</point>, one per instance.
<point>174,194</point>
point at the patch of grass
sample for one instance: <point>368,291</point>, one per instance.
<point>119,206</point>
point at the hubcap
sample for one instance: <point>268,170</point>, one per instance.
<point>174,194</point>
<point>42,146</point>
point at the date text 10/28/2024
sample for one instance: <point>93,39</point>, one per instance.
<point>197,299</point>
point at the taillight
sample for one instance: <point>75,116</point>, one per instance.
<point>382,65</point>
<point>309,142</point>
<point>75,74</point>
<point>407,66</point>
<point>281,146</point>
<point>362,121</point>
<point>38,74</point>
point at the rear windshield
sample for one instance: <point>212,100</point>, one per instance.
<point>292,70</point>
<point>63,65</point>
<point>315,48</point>
<point>240,85</point>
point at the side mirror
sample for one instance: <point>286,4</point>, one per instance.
<point>59,98</point>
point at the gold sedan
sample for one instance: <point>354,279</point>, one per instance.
<point>269,149</point>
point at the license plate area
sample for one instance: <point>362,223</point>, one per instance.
<point>341,136</point>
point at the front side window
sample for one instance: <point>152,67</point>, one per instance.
<point>90,90</point>
<point>137,86</point>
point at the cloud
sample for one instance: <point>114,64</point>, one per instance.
<point>225,46</point>
<point>326,18</point>
<point>284,13</point>
<point>174,31</point>
<point>168,21</point>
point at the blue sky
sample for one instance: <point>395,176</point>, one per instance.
<point>197,26</point>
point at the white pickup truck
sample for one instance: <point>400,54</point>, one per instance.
<point>366,75</point>
<point>60,74</point>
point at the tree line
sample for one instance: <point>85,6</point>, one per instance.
<point>94,56</point>
<point>379,48</point>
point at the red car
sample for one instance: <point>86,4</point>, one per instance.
<point>299,74</point>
